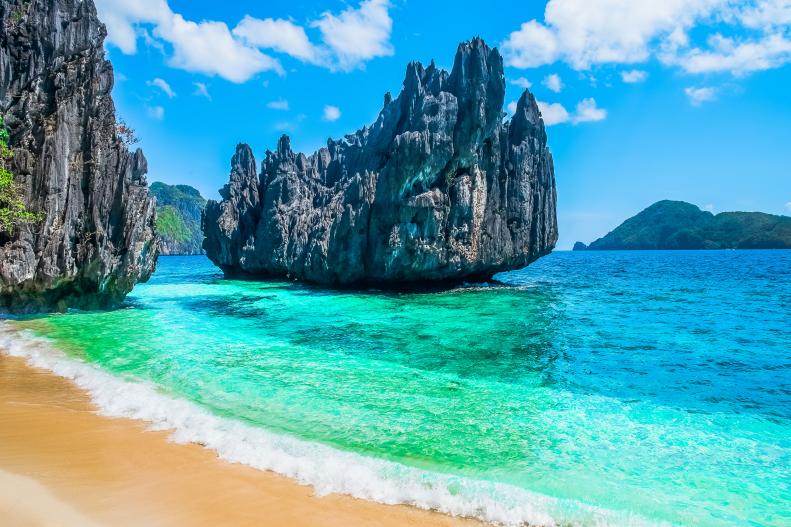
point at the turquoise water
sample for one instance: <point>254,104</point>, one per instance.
<point>643,387</point>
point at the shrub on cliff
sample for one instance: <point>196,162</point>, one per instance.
<point>12,207</point>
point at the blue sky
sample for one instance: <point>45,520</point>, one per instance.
<point>679,99</point>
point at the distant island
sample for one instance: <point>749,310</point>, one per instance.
<point>179,209</point>
<point>671,225</point>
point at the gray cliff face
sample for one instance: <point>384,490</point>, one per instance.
<point>438,188</point>
<point>97,238</point>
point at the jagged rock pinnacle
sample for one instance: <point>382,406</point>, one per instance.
<point>438,188</point>
<point>97,237</point>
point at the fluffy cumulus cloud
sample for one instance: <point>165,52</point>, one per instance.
<point>204,47</point>
<point>553,113</point>
<point>532,46</point>
<point>584,33</point>
<point>634,76</point>
<point>737,57</point>
<point>120,17</point>
<point>586,111</point>
<point>698,96</point>
<point>163,86</point>
<point>280,35</point>
<point>331,113</point>
<point>357,35</point>
<point>210,48</point>
<point>511,107</point>
<point>349,38</point>
<point>553,83</point>
<point>764,13</point>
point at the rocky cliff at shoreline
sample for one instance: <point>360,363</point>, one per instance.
<point>96,238</point>
<point>440,187</point>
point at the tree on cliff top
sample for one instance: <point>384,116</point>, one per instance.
<point>12,208</point>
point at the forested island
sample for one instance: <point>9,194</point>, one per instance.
<point>670,225</point>
<point>179,209</point>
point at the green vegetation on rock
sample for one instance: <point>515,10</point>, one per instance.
<point>680,225</point>
<point>179,209</point>
<point>170,225</point>
<point>12,206</point>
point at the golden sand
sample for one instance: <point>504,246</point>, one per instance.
<point>61,464</point>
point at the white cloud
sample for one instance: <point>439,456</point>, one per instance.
<point>206,47</point>
<point>357,35</point>
<point>156,112</point>
<point>634,76</point>
<point>587,32</point>
<point>280,104</point>
<point>120,17</point>
<point>765,14</point>
<point>280,35</point>
<point>152,42</point>
<point>553,113</point>
<point>709,207</point>
<point>350,38</point>
<point>553,82</point>
<point>522,83</point>
<point>531,46</point>
<point>788,205</point>
<point>584,33</point>
<point>201,90</point>
<point>512,107</point>
<point>331,113</point>
<point>740,58</point>
<point>587,111</point>
<point>698,96</point>
<point>209,48</point>
<point>162,85</point>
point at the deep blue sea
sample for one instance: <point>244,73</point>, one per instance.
<point>592,388</point>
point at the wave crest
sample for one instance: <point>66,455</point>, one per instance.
<point>327,470</point>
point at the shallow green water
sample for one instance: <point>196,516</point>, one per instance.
<point>654,385</point>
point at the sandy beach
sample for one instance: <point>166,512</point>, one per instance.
<point>61,464</point>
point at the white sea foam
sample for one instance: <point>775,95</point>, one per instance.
<point>326,469</point>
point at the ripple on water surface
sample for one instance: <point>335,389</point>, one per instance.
<point>652,385</point>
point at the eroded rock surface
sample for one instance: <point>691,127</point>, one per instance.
<point>97,238</point>
<point>439,188</point>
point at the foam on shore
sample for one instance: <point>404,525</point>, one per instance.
<point>326,469</point>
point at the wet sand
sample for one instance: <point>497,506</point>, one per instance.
<point>61,464</point>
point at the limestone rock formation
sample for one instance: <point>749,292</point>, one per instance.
<point>439,188</point>
<point>97,238</point>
